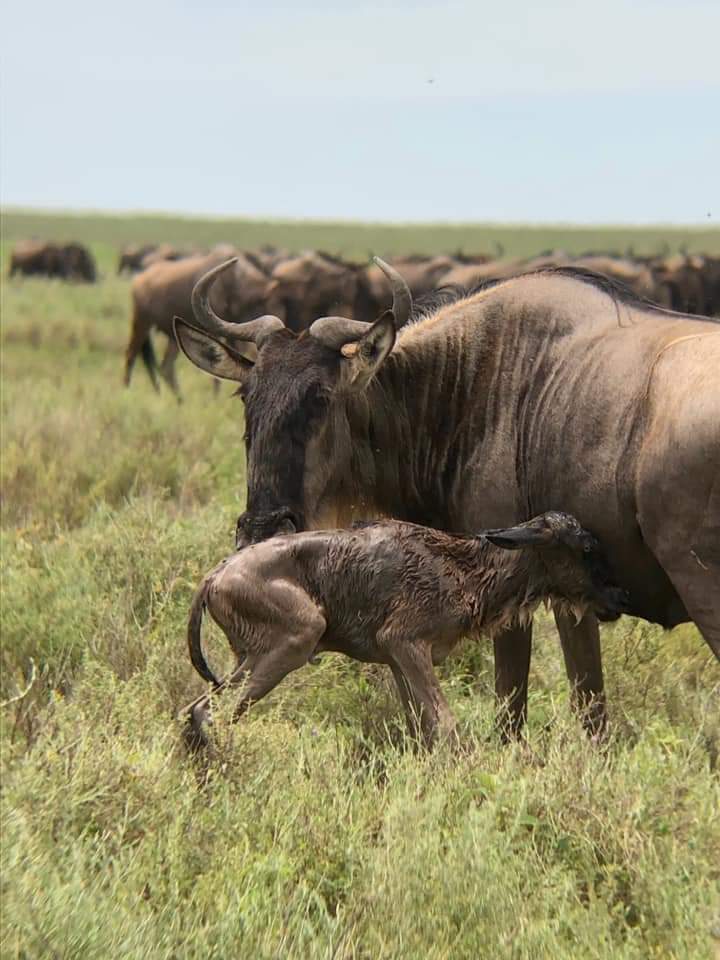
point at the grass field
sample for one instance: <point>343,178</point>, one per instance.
<point>105,233</point>
<point>318,833</point>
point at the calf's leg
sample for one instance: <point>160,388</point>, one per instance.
<point>262,673</point>
<point>425,697</point>
<point>276,653</point>
<point>512,666</point>
<point>410,705</point>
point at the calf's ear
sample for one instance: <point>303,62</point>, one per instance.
<point>523,535</point>
<point>210,354</point>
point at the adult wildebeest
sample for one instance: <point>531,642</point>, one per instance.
<point>164,289</point>
<point>77,263</point>
<point>556,389</point>
<point>34,258</point>
<point>69,261</point>
<point>392,593</point>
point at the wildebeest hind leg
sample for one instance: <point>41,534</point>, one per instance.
<point>257,675</point>
<point>262,673</point>
<point>583,664</point>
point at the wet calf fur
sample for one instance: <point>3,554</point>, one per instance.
<point>392,593</point>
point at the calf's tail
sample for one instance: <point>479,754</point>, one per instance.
<point>195,649</point>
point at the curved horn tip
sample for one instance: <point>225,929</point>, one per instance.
<point>214,271</point>
<point>402,297</point>
<point>225,264</point>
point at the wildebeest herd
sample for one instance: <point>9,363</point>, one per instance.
<point>451,397</point>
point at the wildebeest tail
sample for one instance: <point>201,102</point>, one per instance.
<point>195,649</point>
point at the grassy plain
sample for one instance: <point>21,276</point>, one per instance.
<point>319,833</point>
<point>356,240</point>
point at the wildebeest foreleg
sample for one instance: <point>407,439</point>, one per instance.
<point>139,340</point>
<point>583,664</point>
<point>167,366</point>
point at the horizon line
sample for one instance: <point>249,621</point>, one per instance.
<point>350,222</point>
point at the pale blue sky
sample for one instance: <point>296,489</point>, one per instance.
<point>510,111</point>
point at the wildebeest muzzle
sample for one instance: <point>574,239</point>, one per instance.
<point>255,527</point>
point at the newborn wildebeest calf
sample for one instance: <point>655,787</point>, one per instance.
<point>389,592</point>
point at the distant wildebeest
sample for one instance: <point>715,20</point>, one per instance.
<point>132,256</point>
<point>314,283</point>
<point>470,275</point>
<point>634,275</point>
<point>163,252</point>
<point>77,263</point>
<point>69,261</point>
<point>392,593</point>
<point>268,257</point>
<point>683,278</point>
<point>553,389</point>
<point>422,274</point>
<point>34,257</point>
<point>711,279</point>
<point>165,289</point>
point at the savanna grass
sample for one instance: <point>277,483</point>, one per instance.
<point>315,830</point>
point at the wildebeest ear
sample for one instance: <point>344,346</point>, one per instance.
<point>366,355</point>
<point>210,354</point>
<point>523,535</point>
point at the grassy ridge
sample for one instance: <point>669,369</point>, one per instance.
<point>319,833</point>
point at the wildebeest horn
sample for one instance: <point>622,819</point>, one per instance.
<point>253,331</point>
<point>335,332</point>
<point>402,298</point>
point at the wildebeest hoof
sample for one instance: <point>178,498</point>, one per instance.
<point>194,737</point>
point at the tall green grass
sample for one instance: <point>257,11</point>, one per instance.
<point>316,831</point>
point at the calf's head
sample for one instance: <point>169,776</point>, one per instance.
<point>575,567</point>
<point>292,386</point>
